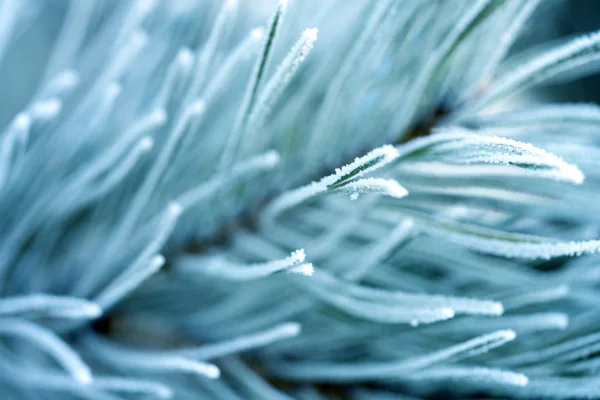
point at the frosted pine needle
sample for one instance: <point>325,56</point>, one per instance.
<point>221,267</point>
<point>157,210</point>
<point>344,181</point>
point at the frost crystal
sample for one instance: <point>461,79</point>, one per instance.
<point>349,198</point>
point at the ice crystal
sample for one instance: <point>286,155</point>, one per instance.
<point>202,201</point>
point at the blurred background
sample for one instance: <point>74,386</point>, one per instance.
<point>554,20</point>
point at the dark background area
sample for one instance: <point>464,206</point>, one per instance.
<point>556,19</point>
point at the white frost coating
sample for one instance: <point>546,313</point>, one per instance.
<point>232,63</point>
<point>576,53</point>
<point>585,114</point>
<point>538,322</point>
<point>141,267</point>
<point>116,174</point>
<point>460,146</point>
<point>105,163</point>
<point>141,360</point>
<point>293,198</point>
<point>69,42</point>
<point>61,84</point>
<point>214,350</point>
<point>53,381</point>
<point>491,241</point>
<point>282,77</point>
<point>352,372</point>
<point>384,313</point>
<point>387,187</point>
<point>184,58</point>
<point>133,386</point>
<point>380,250</point>
<point>13,144</point>
<point>49,342</point>
<point>344,72</point>
<point>53,306</point>
<point>475,14</point>
<point>255,386</point>
<point>305,269</point>
<point>206,53</point>
<point>370,162</point>
<point>48,246</point>
<point>470,348</point>
<point>475,375</point>
<point>22,122</point>
<point>250,96</point>
<point>457,304</point>
<point>247,168</point>
<point>257,33</point>
<point>194,111</point>
<point>343,176</point>
<point>66,80</point>
<point>521,323</point>
<point>516,245</point>
<point>179,69</point>
<point>559,387</point>
<point>131,49</point>
<point>196,108</point>
<point>536,296</point>
<point>221,267</point>
<point>128,281</point>
<point>482,192</point>
<point>113,91</point>
<point>46,109</point>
